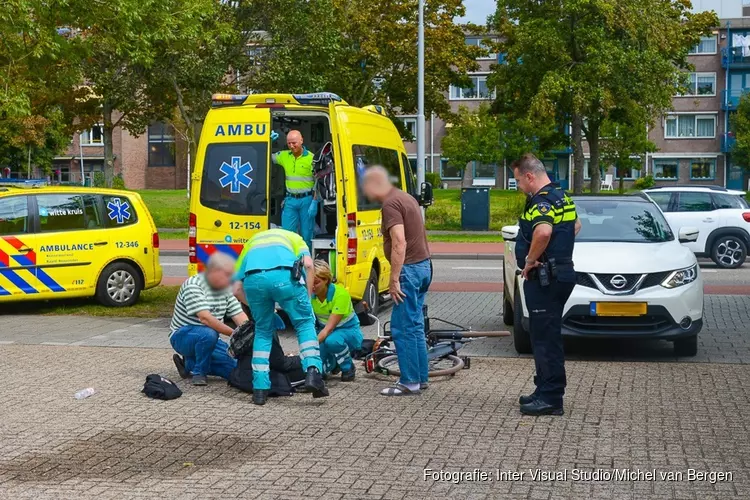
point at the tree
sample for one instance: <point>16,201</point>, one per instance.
<point>38,70</point>
<point>740,124</point>
<point>484,137</point>
<point>622,146</point>
<point>193,62</point>
<point>364,51</point>
<point>585,61</point>
<point>122,39</point>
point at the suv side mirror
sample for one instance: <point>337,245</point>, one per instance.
<point>510,233</point>
<point>688,234</point>
<point>426,197</point>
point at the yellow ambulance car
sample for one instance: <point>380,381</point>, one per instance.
<point>237,190</point>
<point>63,242</point>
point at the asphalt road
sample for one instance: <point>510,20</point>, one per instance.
<point>490,272</point>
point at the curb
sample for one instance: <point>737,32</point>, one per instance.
<point>438,256</point>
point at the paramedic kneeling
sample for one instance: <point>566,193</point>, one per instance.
<point>338,327</point>
<point>269,271</point>
<point>202,303</point>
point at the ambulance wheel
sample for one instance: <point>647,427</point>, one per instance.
<point>372,297</point>
<point>119,285</point>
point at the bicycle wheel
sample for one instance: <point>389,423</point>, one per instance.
<point>438,367</point>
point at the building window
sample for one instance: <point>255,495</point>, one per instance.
<point>161,145</point>
<point>701,84</point>
<point>93,136</point>
<point>477,90</point>
<point>587,173</point>
<point>448,171</point>
<point>702,169</point>
<point>479,41</point>
<point>707,45</point>
<point>631,173</point>
<point>666,169</point>
<point>482,171</point>
<point>690,126</point>
<point>410,124</point>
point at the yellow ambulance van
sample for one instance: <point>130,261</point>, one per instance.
<point>237,190</point>
<point>64,242</point>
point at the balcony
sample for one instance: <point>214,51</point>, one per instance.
<point>727,142</point>
<point>733,57</point>
<point>730,99</point>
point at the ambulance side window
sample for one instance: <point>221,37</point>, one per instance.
<point>118,211</point>
<point>14,215</point>
<point>367,156</point>
<point>60,212</point>
<point>411,176</point>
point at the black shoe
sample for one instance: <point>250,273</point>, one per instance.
<point>179,362</point>
<point>539,407</point>
<point>260,396</point>
<point>314,383</point>
<point>348,376</point>
<point>336,370</point>
<point>200,380</point>
<point>424,386</point>
<point>524,400</point>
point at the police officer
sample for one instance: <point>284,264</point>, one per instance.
<point>269,271</point>
<point>297,163</point>
<point>544,250</point>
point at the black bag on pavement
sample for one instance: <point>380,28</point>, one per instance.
<point>158,387</point>
<point>286,371</point>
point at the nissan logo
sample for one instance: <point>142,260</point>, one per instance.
<point>618,281</point>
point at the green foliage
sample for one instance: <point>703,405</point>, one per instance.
<point>598,60</point>
<point>740,124</point>
<point>362,50</point>
<point>645,182</point>
<point>99,179</point>
<point>118,182</point>
<point>622,144</point>
<point>434,179</point>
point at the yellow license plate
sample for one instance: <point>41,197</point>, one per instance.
<point>619,308</point>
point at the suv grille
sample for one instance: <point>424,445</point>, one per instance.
<point>651,280</point>
<point>652,323</point>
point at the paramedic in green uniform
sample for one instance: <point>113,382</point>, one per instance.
<point>297,163</point>
<point>338,327</point>
<point>264,277</point>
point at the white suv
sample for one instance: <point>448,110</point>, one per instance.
<point>721,215</point>
<point>635,279</point>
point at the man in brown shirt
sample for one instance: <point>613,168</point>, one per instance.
<point>405,244</point>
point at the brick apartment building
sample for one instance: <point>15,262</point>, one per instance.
<point>693,141</point>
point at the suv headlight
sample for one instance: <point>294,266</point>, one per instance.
<point>681,277</point>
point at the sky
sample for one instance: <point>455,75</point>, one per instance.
<point>478,10</point>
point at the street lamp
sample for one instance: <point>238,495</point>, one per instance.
<point>420,100</point>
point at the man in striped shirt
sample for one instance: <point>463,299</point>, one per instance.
<point>202,303</point>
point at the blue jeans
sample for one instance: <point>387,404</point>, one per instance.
<point>337,348</point>
<point>262,291</point>
<point>295,218</point>
<point>407,322</point>
<point>204,352</point>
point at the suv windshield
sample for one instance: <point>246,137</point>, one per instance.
<point>234,178</point>
<point>624,221</point>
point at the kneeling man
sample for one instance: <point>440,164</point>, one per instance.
<point>202,303</point>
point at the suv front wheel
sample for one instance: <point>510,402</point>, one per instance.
<point>729,252</point>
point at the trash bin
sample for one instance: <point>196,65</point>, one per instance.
<point>475,209</point>
<point>87,182</point>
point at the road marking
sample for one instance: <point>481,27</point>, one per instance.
<point>476,268</point>
<point>709,270</point>
<point>172,264</point>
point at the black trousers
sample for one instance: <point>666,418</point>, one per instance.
<point>545,305</point>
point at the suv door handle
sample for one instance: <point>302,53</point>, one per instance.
<point>101,243</point>
<point>709,219</point>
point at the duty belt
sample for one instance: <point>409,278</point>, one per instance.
<point>256,271</point>
<point>299,195</point>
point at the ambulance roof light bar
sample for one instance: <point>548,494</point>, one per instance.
<point>218,100</point>
<point>317,98</point>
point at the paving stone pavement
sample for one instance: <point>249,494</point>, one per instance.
<point>213,443</point>
<point>725,337</point>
